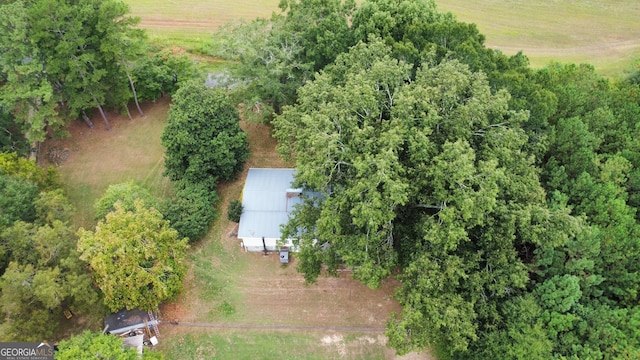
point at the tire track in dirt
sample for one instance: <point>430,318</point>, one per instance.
<point>277,327</point>
<point>180,24</point>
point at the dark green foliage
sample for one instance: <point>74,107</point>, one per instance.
<point>203,139</point>
<point>161,72</point>
<point>321,27</point>
<point>428,165</point>
<point>520,334</point>
<point>44,275</point>
<point>125,193</point>
<point>17,195</point>
<point>234,211</point>
<point>11,137</point>
<point>192,209</point>
<point>85,47</point>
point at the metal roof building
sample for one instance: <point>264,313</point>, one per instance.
<point>267,200</point>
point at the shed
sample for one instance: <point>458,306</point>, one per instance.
<point>267,200</point>
<point>129,320</point>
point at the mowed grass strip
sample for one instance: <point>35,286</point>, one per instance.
<point>250,345</point>
<point>604,33</point>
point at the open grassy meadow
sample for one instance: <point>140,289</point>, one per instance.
<point>605,33</point>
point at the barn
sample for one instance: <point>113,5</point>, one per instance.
<point>267,200</point>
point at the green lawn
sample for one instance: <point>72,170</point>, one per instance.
<point>99,158</point>
<point>604,33</point>
<point>252,344</point>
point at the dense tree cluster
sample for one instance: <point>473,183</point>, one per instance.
<point>41,274</point>
<point>506,197</point>
<point>60,59</point>
<point>63,58</point>
<point>204,144</point>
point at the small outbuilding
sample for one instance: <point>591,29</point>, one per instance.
<point>136,327</point>
<point>268,198</point>
<point>125,321</point>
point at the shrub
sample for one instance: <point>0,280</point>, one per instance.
<point>126,193</point>
<point>191,211</point>
<point>234,211</point>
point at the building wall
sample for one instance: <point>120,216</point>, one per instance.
<point>255,244</point>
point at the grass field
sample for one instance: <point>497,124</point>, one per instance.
<point>605,33</point>
<point>269,345</point>
<point>99,158</point>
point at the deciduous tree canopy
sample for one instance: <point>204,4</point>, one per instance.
<point>137,259</point>
<point>41,273</point>
<point>64,57</point>
<point>511,216</point>
<point>203,139</point>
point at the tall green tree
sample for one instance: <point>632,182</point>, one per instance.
<point>137,259</point>
<point>65,57</point>
<point>126,193</point>
<point>203,139</point>
<point>27,92</point>
<point>44,275</point>
<point>427,174</point>
<point>278,55</point>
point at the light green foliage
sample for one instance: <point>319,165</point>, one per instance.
<point>137,259</point>
<point>53,205</point>
<point>279,55</point>
<point>92,345</point>
<point>127,194</point>
<point>270,69</point>
<point>203,137</point>
<point>13,164</point>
